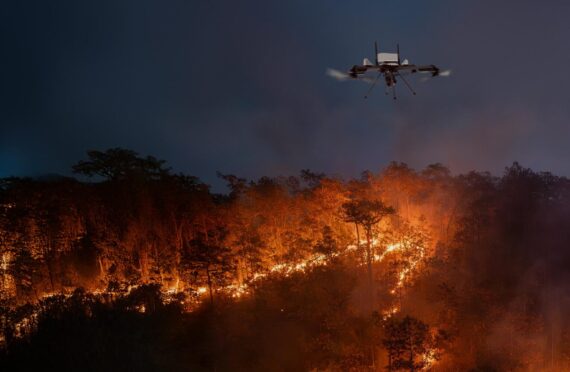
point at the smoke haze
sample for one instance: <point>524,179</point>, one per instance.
<point>241,88</point>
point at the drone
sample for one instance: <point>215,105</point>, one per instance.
<point>391,66</point>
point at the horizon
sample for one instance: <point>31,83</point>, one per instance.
<point>219,186</point>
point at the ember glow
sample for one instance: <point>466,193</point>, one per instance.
<point>384,272</point>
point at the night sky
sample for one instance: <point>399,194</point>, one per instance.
<point>240,86</point>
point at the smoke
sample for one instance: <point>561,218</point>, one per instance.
<point>243,87</point>
<point>505,100</point>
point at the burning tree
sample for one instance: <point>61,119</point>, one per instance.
<point>327,245</point>
<point>207,256</point>
<point>367,214</point>
<point>410,344</point>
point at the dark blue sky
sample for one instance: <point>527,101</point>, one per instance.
<point>240,86</point>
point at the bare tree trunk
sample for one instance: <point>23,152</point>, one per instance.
<point>369,269</point>
<point>47,257</point>
<point>412,369</point>
<point>101,269</point>
<point>210,286</point>
<point>50,274</point>
<point>178,246</point>
<point>370,285</point>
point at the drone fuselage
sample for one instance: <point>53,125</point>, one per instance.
<point>390,79</point>
<point>390,70</point>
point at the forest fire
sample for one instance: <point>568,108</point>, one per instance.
<point>389,271</point>
<point>257,245</point>
<point>238,290</point>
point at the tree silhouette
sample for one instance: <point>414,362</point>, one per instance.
<point>366,214</point>
<point>407,341</point>
<point>207,256</point>
<point>119,164</point>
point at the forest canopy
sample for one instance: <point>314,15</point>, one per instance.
<point>399,269</point>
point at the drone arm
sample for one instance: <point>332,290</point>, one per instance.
<point>407,68</point>
<point>429,68</point>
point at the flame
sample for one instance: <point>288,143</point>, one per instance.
<point>390,312</point>
<point>390,248</point>
<point>238,290</point>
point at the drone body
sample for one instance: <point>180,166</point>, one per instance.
<point>388,65</point>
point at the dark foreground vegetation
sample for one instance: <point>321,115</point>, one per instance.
<point>143,269</point>
<point>291,324</point>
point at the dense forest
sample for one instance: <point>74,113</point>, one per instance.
<point>131,266</point>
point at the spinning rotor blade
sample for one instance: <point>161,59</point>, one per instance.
<point>343,76</point>
<point>445,73</point>
<point>338,75</point>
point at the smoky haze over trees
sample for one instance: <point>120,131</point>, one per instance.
<point>135,267</point>
<point>89,74</point>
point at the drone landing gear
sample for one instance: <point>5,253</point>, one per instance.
<point>393,86</point>
<point>372,86</point>
<point>386,92</point>
<point>407,84</point>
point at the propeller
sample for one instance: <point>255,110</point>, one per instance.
<point>343,76</point>
<point>338,75</point>
<point>444,73</point>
